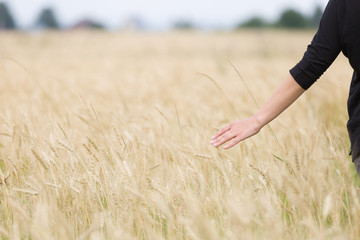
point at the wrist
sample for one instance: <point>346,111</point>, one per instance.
<point>259,120</point>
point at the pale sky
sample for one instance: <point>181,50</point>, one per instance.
<point>159,13</point>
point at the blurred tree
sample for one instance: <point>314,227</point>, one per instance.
<point>87,24</point>
<point>6,19</point>
<point>291,18</point>
<point>315,20</point>
<point>183,25</point>
<point>97,25</point>
<point>47,19</point>
<point>255,22</point>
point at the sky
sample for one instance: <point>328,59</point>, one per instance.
<point>159,13</point>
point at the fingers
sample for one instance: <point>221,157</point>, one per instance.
<point>233,142</point>
<point>222,131</point>
<point>223,139</point>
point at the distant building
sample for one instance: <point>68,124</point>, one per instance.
<point>87,24</point>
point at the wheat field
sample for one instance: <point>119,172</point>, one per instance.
<point>106,136</point>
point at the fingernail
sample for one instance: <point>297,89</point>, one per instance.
<point>212,137</point>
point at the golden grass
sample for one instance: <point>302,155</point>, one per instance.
<point>106,136</point>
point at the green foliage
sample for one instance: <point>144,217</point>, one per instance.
<point>183,25</point>
<point>315,20</point>
<point>6,19</point>
<point>88,24</point>
<point>96,25</point>
<point>291,18</point>
<point>47,19</point>
<point>255,22</point>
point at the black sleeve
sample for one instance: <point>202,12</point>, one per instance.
<point>322,51</point>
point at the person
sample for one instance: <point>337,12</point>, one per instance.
<point>339,31</point>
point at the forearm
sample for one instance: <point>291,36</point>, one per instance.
<point>288,91</point>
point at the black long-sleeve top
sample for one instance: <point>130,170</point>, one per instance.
<point>339,31</point>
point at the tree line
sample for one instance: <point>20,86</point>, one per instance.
<point>289,18</point>
<point>46,20</point>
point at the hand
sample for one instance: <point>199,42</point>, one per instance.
<point>236,132</point>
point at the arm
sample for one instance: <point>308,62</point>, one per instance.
<point>283,97</point>
<point>320,54</point>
